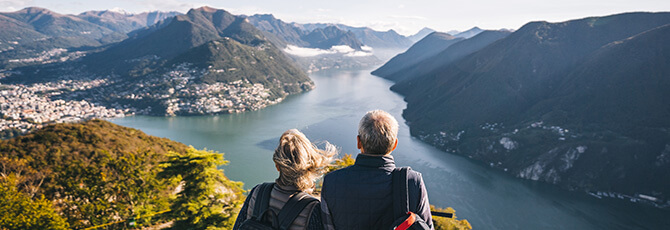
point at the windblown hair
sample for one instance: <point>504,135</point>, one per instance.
<point>378,132</point>
<point>299,161</point>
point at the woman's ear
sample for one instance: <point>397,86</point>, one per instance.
<point>395,145</point>
<point>277,167</point>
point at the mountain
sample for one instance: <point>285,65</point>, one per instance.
<point>204,62</point>
<point>578,103</point>
<point>421,34</point>
<point>183,32</point>
<point>32,34</point>
<point>379,39</point>
<point>283,34</point>
<point>278,31</point>
<point>426,48</point>
<point>459,49</point>
<point>61,26</point>
<point>469,33</point>
<point>318,48</point>
<point>367,36</point>
<point>263,65</point>
<point>124,22</point>
<point>325,38</point>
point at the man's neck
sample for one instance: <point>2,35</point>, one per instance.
<point>374,155</point>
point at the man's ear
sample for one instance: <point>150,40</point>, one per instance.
<point>358,143</point>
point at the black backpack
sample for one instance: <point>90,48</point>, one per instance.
<point>283,219</point>
<point>404,218</point>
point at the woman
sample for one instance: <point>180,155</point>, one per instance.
<point>299,163</point>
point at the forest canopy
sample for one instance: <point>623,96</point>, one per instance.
<point>94,173</point>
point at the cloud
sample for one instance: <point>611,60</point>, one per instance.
<point>341,49</point>
<point>171,5</point>
<point>248,10</point>
<point>119,10</point>
<point>14,5</point>
<point>412,17</point>
<point>305,52</point>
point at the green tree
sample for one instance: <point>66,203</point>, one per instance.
<point>443,223</point>
<point>19,211</point>
<point>207,199</point>
<point>95,172</point>
<point>346,161</point>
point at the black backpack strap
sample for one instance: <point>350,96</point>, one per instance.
<point>293,208</point>
<point>400,192</point>
<point>442,214</point>
<point>262,200</point>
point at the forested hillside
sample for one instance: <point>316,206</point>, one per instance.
<point>96,173</point>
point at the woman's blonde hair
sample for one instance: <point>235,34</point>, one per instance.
<point>299,161</point>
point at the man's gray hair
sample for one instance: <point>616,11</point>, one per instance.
<point>378,132</point>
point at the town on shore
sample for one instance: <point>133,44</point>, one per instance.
<point>24,108</point>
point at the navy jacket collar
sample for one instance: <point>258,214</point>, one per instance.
<point>382,162</point>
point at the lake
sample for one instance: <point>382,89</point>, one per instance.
<point>487,198</point>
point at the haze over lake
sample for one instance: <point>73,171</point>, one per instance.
<point>487,198</point>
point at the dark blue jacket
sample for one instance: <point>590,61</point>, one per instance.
<point>360,196</point>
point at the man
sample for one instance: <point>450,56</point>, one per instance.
<point>360,196</point>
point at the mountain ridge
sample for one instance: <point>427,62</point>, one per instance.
<point>550,99</point>
<point>427,47</point>
<point>125,22</point>
<point>162,69</point>
<point>461,48</point>
<point>425,31</point>
<point>368,36</point>
<point>46,33</point>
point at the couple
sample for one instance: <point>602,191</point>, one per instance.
<point>356,197</point>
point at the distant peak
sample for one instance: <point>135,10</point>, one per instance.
<point>473,29</point>
<point>424,29</point>
<point>265,16</point>
<point>391,31</point>
<point>34,10</point>
<point>207,9</point>
<point>441,35</point>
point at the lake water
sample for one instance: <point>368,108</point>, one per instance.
<point>487,198</point>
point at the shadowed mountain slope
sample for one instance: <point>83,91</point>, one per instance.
<point>578,103</point>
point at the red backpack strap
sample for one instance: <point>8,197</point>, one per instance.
<point>408,222</point>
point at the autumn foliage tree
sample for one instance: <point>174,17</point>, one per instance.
<point>207,199</point>
<point>20,211</point>
<point>95,172</point>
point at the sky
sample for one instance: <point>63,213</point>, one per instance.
<point>405,17</point>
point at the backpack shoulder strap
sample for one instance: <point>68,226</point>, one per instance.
<point>262,200</point>
<point>293,208</point>
<point>400,192</point>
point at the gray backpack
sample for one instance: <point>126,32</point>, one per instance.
<point>283,219</point>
